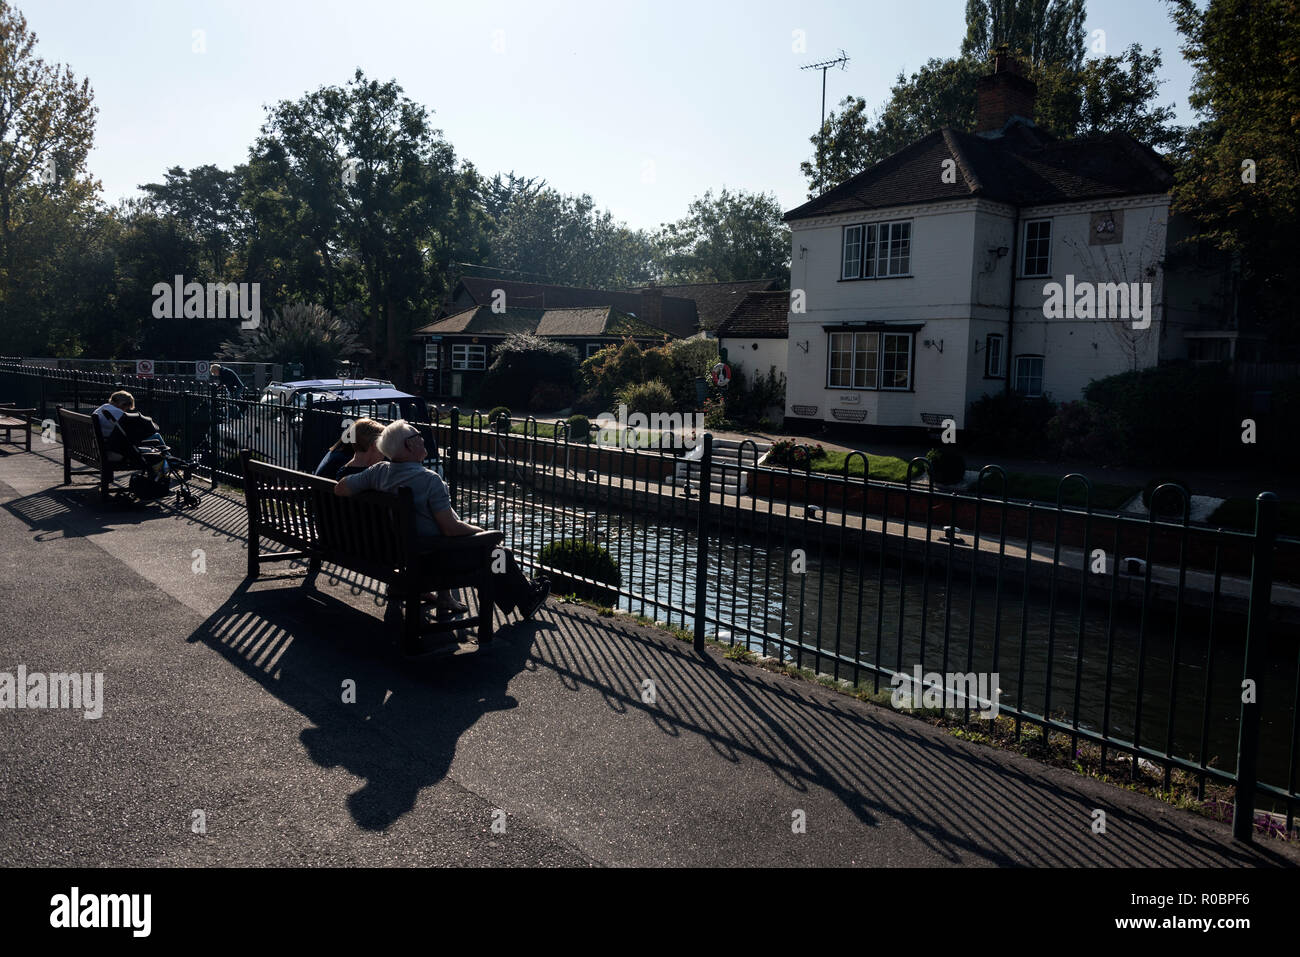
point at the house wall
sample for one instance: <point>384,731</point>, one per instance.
<point>959,289</point>
<point>742,356</point>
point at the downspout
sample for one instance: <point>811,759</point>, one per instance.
<point>1011,309</point>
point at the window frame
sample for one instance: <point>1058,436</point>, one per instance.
<point>1024,249</point>
<point>875,245</point>
<point>473,361</point>
<point>1042,376</point>
<point>436,348</point>
<point>852,374</point>
<point>594,347</point>
<point>1001,372</point>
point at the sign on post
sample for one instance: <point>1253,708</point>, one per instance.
<point>144,368</point>
<point>202,370</point>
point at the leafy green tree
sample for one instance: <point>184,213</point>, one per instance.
<point>206,200</point>
<point>1247,57</point>
<point>730,237</point>
<point>543,236</point>
<point>1036,31</point>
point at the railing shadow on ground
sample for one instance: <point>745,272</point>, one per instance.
<point>881,771</point>
<point>300,644</point>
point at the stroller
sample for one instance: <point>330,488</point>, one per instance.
<point>157,471</point>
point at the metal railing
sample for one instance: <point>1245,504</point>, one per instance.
<point>1162,641</point>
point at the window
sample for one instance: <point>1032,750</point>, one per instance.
<point>852,253</point>
<point>1029,376</point>
<point>897,356</point>
<point>594,347</point>
<point>467,358</point>
<point>432,352</point>
<point>870,360</point>
<point>1038,248</point>
<point>993,357</point>
<point>877,250</point>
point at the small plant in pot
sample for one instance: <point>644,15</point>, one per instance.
<point>499,419</point>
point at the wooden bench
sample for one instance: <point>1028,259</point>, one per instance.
<point>372,533</point>
<point>12,418</point>
<point>84,442</point>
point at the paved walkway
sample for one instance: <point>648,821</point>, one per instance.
<point>227,698</point>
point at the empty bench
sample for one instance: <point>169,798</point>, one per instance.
<point>372,533</point>
<point>12,418</point>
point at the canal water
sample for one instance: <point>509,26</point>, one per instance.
<point>825,613</point>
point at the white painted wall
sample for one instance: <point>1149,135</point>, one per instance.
<point>741,355</point>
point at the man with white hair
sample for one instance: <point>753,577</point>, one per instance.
<point>403,446</point>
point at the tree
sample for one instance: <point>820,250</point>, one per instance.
<point>47,126</point>
<point>543,236</point>
<point>1239,176</point>
<point>206,200</point>
<point>727,238</point>
<point>1075,98</point>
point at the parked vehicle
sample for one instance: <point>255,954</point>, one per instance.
<point>280,428</point>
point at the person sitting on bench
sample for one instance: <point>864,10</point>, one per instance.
<point>123,428</point>
<point>349,458</point>
<point>403,445</point>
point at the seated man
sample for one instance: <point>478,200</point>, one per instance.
<point>122,427</point>
<point>403,445</point>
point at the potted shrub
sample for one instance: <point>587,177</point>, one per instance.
<point>499,419</point>
<point>585,558</point>
<point>947,466</point>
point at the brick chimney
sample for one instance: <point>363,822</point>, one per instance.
<point>652,306</point>
<point>1003,94</point>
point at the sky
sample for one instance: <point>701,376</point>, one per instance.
<point>642,105</point>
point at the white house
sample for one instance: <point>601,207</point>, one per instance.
<point>969,263</point>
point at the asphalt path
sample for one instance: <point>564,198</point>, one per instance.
<point>543,749</point>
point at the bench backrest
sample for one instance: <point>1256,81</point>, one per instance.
<point>373,531</point>
<point>81,437</point>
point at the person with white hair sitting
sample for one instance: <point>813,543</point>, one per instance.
<point>403,445</point>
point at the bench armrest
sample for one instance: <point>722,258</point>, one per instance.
<point>452,544</point>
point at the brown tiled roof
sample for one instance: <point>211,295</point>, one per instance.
<point>1023,166</point>
<point>678,316</point>
<point>482,321</point>
<point>760,315</point>
<point>574,322</point>
<point>715,300</point>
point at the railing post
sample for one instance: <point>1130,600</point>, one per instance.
<point>452,444</point>
<point>1261,589</point>
<point>214,456</point>
<point>702,541</point>
<point>44,410</point>
<point>76,391</point>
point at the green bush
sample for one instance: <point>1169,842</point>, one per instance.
<point>796,455</point>
<point>1169,414</point>
<point>579,428</point>
<point>1082,430</point>
<point>550,396</point>
<point>499,419</point>
<point>523,362</point>
<point>947,466</point>
<point>646,397</point>
<point>1009,424</point>
<point>1169,503</point>
<point>585,558</point>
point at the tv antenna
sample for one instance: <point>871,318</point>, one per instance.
<point>842,62</point>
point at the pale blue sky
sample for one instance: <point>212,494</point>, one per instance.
<point>644,105</point>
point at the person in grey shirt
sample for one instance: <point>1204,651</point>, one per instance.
<point>403,445</point>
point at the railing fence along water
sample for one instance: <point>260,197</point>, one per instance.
<point>1151,640</point>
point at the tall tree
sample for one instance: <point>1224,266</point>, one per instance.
<point>47,126</point>
<point>725,238</point>
<point>1239,175</point>
<point>206,200</point>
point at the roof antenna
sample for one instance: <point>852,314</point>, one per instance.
<point>842,62</point>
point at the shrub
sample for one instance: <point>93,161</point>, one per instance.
<point>795,455</point>
<point>585,558</point>
<point>1009,423</point>
<point>590,403</point>
<point>1081,430</point>
<point>499,419</point>
<point>646,397</point>
<point>715,414</point>
<point>522,362</point>
<point>579,428</point>
<point>550,396</point>
<point>1169,503</point>
<point>1171,413</point>
<point>947,466</point>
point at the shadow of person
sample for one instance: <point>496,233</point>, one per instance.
<point>394,722</point>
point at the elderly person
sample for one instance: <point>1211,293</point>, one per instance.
<point>403,446</point>
<point>228,379</point>
<point>348,458</point>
